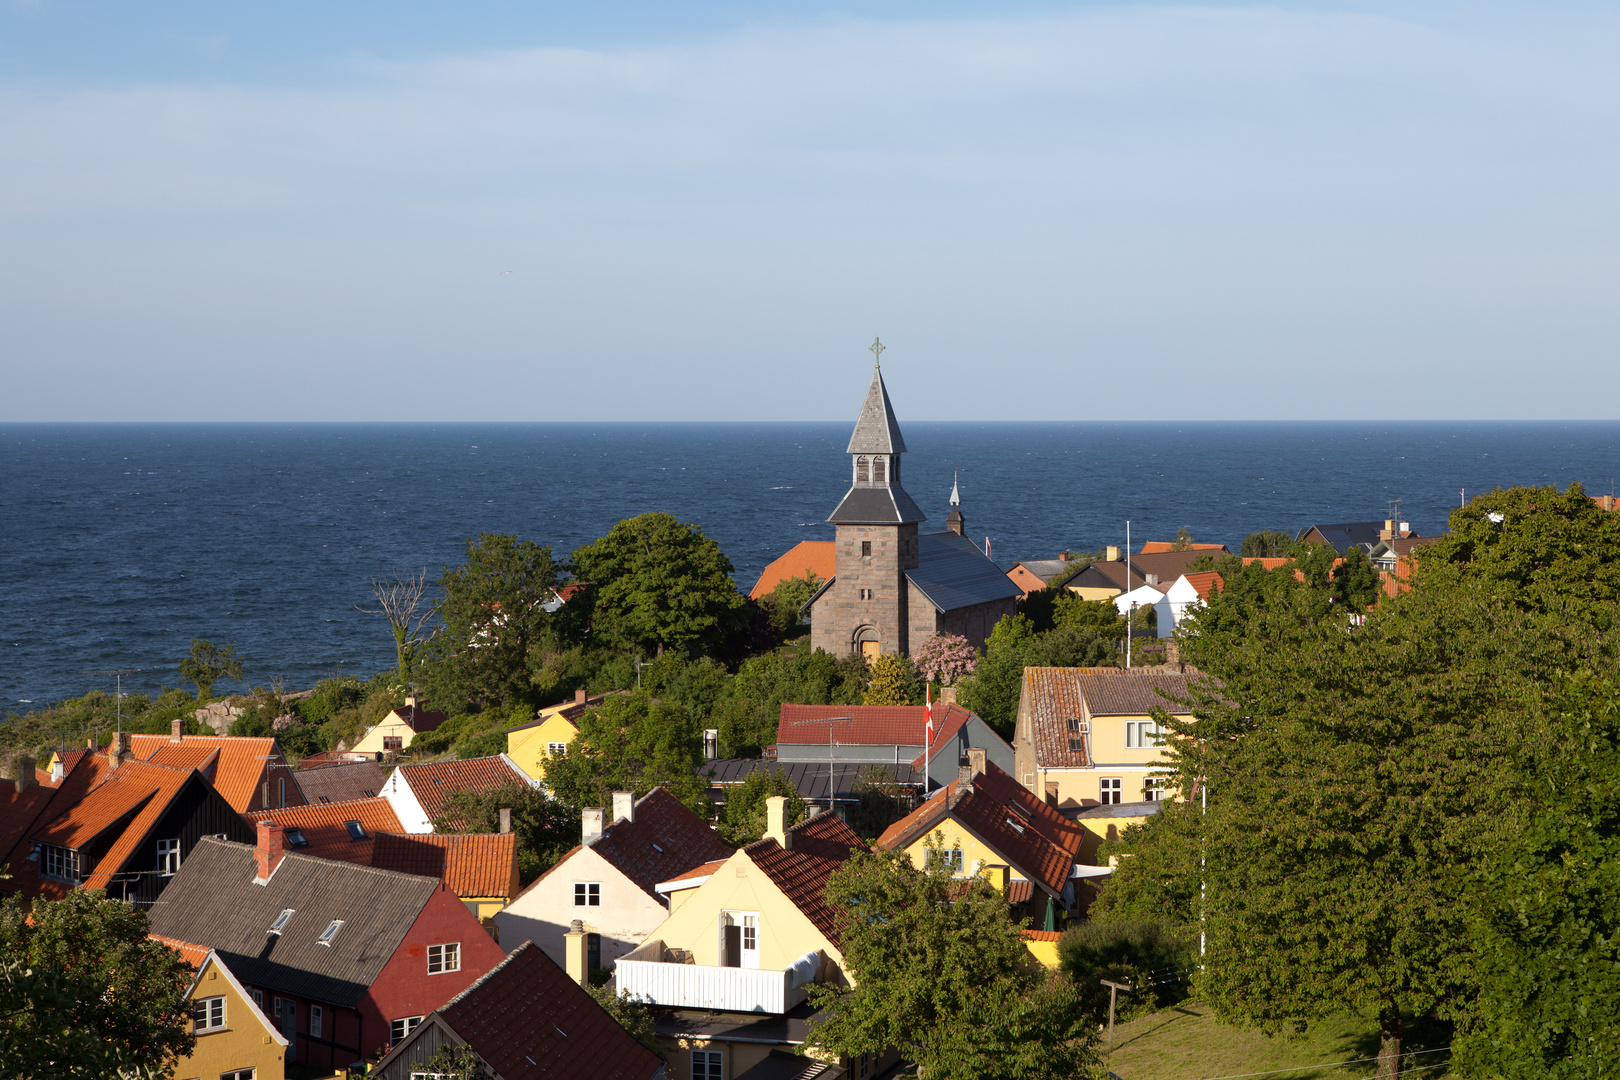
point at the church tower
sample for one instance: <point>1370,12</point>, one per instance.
<point>865,609</point>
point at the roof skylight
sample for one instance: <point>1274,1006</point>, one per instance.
<point>281,922</point>
<point>356,831</point>
<point>330,932</point>
<point>296,838</point>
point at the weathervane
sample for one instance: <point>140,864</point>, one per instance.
<point>876,349</point>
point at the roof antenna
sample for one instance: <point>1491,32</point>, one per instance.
<point>118,684</point>
<point>876,349</point>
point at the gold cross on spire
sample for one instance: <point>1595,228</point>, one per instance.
<point>876,349</point>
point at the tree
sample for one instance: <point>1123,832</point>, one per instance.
<point>944,658</point>
<point>495,625</point>
<point>1183,541</point>
<point>786,602</point>
<point>744,818</point>
<point>894,681</point>
<point>1144,953</point>
<point>1267,544</point>
<point>399,600</point>
<point>881,802</point>
<point>85,993</point>
<point>453,1063</point>
<point>207,664</point>
<point>1157,876</point>
<point>631,743</point>
<point>661,584</point>
<point>998,676</point>
<point>545,828</point>
<point>637,1019</point>
<point>747,719</point>
<point>941,972</point>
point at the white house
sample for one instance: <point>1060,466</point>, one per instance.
<point>1184,594</point>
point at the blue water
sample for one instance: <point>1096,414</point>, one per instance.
<point>121,542</point>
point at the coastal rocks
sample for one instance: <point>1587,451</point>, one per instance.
<point>218,716</point>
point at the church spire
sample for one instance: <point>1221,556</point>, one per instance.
<point>876,430</point>
<point>954,521</point>
<point>956,496</point>
<point>875,446</point>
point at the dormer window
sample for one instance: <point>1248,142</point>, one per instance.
<point>863,470</point>
<point>281,922</point>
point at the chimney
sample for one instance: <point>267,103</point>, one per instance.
<point>506,820</point>
<point>1113,553</point>
<point>1063,556</point>
<point>118,749</point>
<point>624,806</point>
<point>776,821</point>
<point>23,766</point>
<point>410,701</point>
<point>574,952</point>
<point>272,845</point>
<point>590,824</point>
<point>579,696</point>
<point>1388,531</point>
<point>964,776</point>
<point>177,730</point>
<point>57,769</point>
<point>1153,579</point>
<point>1406,527</point>
<point>975,757</point>
<point>947,695</point>
<point>711,743</point>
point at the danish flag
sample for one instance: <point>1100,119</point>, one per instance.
<point>928,717</point>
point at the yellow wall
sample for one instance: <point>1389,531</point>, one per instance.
<point>248,1041</point>
<point>1046,952</point>
<point>975,854</point>
<point>1095,593</point>
<point>392,724</point>
<point>529,747</point>
<point>785,934</point>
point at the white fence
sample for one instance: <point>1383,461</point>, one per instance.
<point>647,977</point>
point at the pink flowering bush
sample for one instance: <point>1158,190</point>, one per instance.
<point>944,658</point>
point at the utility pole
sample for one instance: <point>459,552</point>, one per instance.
<point>1113,992</point>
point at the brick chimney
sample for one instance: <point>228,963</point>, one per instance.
<point>177,730</point>
<point>964,775</point>
<point>1063,556</point>
<point>975,756</point>
<point>590,824</point>
<point>23,768</point>
<point>776,821</point>
<point>624,806</point>
<point>579,696</point>
<point>1112,553</point>
<point>272,845</point>
<point>118,749</point>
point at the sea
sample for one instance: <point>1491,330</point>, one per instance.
<point>119,543</point>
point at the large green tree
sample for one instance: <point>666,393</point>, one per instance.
<point>495,625</point>
<point>659,584</point>
<point>993,688</point>
<point>207,664</point>
<point>941,973</point>
<point>85,993</point>
<point>631,743</point>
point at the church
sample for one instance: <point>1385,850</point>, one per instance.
<point>894,588</point>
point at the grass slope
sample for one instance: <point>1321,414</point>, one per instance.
<point>1186,1043</point>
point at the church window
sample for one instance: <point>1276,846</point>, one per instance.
<point>863,470</point>
<point>877,470</point>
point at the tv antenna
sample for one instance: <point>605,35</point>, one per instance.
<point>118,684</point>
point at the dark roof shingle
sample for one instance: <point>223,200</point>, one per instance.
<point>664,840</point>
<point>434,784</point>
<point>343,782</point>
<point>953,573</point>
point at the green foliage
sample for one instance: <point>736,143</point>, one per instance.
<point>1267,544</point>
<point>882,802</point>
<point>744,818</point>
<point>1156,960</point>
<point>484,744</point>
<point>1548,922</point>
<point>546,829</point>
<point>639,1020</point>
<point>491,649</point>
<point>941,973</point>
<point>207,664</point>
<point>632,743</point>
<point>747,719</point>
<point>1157,875</point>
<point>1184,539</point>
<point>85,993</point>
<point>784,603</point>
<point>453,1063</point>
<point>659,584</point>
<point>697,684</point>
<point>993,688</point>
<point>1355,581</point>
<point>893,682</point>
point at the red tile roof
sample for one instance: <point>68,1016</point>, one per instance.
<point>419,718</point>
<point>1032,837</point>
<point>1052,700</point>
<point>1159,547</point>
<point>325,826</point>
<point>696,874</point>
<point>202,758</point>
<point>529,1021</point>
<point>1020,893</point>
<point>1206,582</point>
<point>434,784</point>
<point>190,953</point>
<point>470,864</point>
<point>820,846</point>
<point>818,557</point>
<point>1041,935</point>
<point>19,812</point>
<point>243,762</point>
<point>869,725</point>
<point>665,839</point>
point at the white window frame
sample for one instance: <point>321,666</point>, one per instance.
<point>238,1074</point>
<point>713,1063</point>
<point>587,894</point>
<point>1143,734</point>
<point>404,1025</point>
<point>449,958</point>
<point>557,749</point>
<point>1153,789</point>
<point>59,863</point>
<point>747,937</point>
<point>168,857</point>
<point>330,933</point>
<point>258,997</point>
<point>213,1014</point>
<point>316,1015</point>
<point>949,857</point>
<point>1113,786</point>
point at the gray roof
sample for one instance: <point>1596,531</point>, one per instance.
<point>341,783</point>
<point>1121,810</point>
<point>1345,535</point>
<point>212,901</point>
<point>876,431</point>
<point>1046,569</point>
<point>809,777</point>
<point>878,504</point>
<point>781,1065</point>
<point>953,573</point>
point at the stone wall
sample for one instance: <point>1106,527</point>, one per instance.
<point>843,612</point>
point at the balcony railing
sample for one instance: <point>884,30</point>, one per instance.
<point>658,976</point>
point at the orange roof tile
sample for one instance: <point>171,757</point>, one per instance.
<point>1206,582</point>
<point>1041,935</point>
<point>243,762</point>
<point>202,758</point>
<point>947,722</point>
<point>818,557</point>
<point>820,846</point>
<point>19,812</point>
<point>695,875</point>
<point>469,864</point>
<point>192,954</point>
<point>325,826</point>
<point>1158,547</point>
<point>434,784</point>
<point>131,800</point>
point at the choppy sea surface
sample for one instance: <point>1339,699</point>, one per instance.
<point>121,542</point>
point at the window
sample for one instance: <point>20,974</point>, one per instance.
<point>863,470</point>
<point>393,742</point>
<point>1111,788</point>
<point>866,549</point>
<point>587,894</point>
<point>398,1029</point>
<point>442,958</point>
<point>1140,733</point>
<point>59,863</point>
<point>708,1064</point>
<point>557,749</point>
<point>315,1018</point>
<point>208,1014</point>
<point>281,922</point>
<point>946,859</point>
<point>877,470</point>
<point>356,830</point>
<point>330,932</point>
<point>237,1074</point>
<point>296,838</point>
<point>168,856</point>
<point>1153,789</point>
<point>258,997</point>
<point>593,952</point>
<point>284,793</point>
<point>750,937</point>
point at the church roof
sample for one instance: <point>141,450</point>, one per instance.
<point>876,431</point>
<point>886,504</point>
<point>953,573</point>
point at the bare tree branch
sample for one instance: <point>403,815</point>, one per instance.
<point>399,600</point>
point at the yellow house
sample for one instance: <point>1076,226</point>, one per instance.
<point>985,823</point>
<point>1088,736</point>
<point>235,1040</point>
<point>738,953</point>
<point>549,734</point>
<point>395,732</point>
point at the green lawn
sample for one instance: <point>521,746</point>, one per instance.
<point>1185,1043</point>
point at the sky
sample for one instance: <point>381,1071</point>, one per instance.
<point>703,211</point>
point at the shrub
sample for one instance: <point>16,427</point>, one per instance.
<point>1143,953</point>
